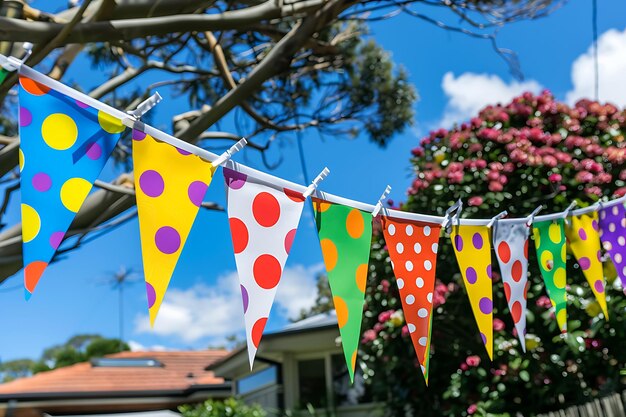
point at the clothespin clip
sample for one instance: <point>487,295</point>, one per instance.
<point>230,152</point>
<point>457,215</point>
<point>378,207</point>
<point>497,217</point>
<point>143,108</point>
<point>531,218</point>
<point>311,188</point>
<point>568,210</point>
<point>449,211</point>
<point>12,63</point>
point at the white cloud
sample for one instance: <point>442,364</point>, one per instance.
<point>470,92</point>
<point>215,312</point>
<point>612,69</point>
<point>138,347</point>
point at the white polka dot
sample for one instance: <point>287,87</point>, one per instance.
<point>607,246</point>
<point>603,214</point>
<point>426,230</point>
<point>411,327</point>
<point>410,299</point>
<point>615,210</point>
<point>429,297</point>
<point>409,266</point>
<point>624,271</point>
<point>409,230</point>
<point>422,312</point>
<point>612,227</point>
<point>391,229</point>
<point>400,283</point>
<point>428,265</point>
<point>422,341</point>
<point>419,282</point>
<point>392,265</point>
<point>423,369</point>
<point>618,258</point>
<point>623,222</point>
<point>621,240</point>
<point>435,247</point>
<point>417,247</point>
<point>400,247</point>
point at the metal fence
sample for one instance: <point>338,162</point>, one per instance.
<point>611,406</point>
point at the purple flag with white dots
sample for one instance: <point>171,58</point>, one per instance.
<point>613,237</point>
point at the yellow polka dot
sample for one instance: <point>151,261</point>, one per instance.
<point>355,224</point>
<point>561,319</point>
<point>31,223</point>
<point>109,123</point>
<point>59,131</point>
<point>361,277</point>
<point>564,253</point>
<point>21,158</point>
<point>559,278</point>
<point>555,233</point>
<point>547,261</point>
<point>353,360</point>
<point>341,308</point>
<point>537,238</point>
<point>329,251</point>
<point>73,193</point>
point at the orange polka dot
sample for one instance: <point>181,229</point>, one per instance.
<point>320,206</point>
<point>329,251</point>
<point>32,273</point>
<point>33,87</point>
<point>341,308</point>
<point>353,360</point>
<point>355,224</point>
<point>361,276</point>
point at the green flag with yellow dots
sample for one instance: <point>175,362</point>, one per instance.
<point>345,237</point>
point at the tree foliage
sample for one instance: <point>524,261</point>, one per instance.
<point>230,407</point>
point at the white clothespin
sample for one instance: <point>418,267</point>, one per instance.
<point>311,188</point>
<point>12,63</point>
<point>568,211</point>
<point>531,218</point>
<point>146,105</point>
<point>449,211</point>
<point>379,205</point>
<point>497,217</point>
<point>230,152</point>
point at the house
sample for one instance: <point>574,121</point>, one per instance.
<point>299,368</point>
<point>123,382</point>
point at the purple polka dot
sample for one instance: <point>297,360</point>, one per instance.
<point>458,243</point>
<point>599,286</point>
<point>55,239</point>
<point>489,271</point>
<point>477,241</point>
<point>183,152</point>
<point>470,274</point>
<point>151,293</point>
<point>138,135</point>
<point>151,183</point>
<point>482,336</point>
<point>94,152</point>
<point>599,254</point>
<point>485,305</point>
<point>582,234</point>
<point>595,226</point>
<point>42,181</point>
<point>82,105</point>
<point>244,298</point>
<point>235,180</point>
<point>26,117</point>
<point>584,263</point>
<point>167,240</point>
<point>196,192</point>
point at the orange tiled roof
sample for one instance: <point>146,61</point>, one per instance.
<point>180,371</point>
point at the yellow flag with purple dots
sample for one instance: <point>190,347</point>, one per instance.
<point>64,146</point>
<point>170,185</point>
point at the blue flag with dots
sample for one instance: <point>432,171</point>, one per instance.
<point>64,144</point>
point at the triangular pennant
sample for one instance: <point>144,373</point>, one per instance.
<point>170,185</point>
<point>413,250</point>
<point>549,239</point>
<point>613,236</point>
<point>473,254</point>
<point>54,184</point>
<point>3,75</point>
<point>345,237</point>
<point>511,245</point>
<point>584,241</point>
<point>263,222</point>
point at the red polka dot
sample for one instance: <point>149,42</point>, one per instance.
<point>526,288</point>
<point>257,331</point>
<point>516,270</point>
<point>33,87</point>
<point>267,271</point>
<point>516,311</point>
<point>289,240</point>
<point>239,231</point>
<point>266,209</point>
<point>504,252</point>
<point>294,195</point>
<point>526,249</point>
<point>507,291</point>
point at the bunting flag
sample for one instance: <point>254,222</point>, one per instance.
<point>64,146</point>
<point>549,238</point>
<point>3,75</point>
<point>263,222</point>
<point>582,236</point>
<point>413,249</point>
<point>613,236</point>
<point>473,253</point>
<point>511,244</point>
<point>345,237</point>
<point>170,185</point>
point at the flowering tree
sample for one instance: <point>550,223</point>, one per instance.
<point>532,151</point>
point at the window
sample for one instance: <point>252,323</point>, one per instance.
<point>312,382</point>
<point>257,380</point>
<point>126,363</point>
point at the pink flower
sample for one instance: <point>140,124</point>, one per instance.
<point>498,325</point>
<point>475,201</point>
<point>385,316</point>
<point>385,286</point>
<point>472,409</point>
<point>495,186</point>
<point>472,361</point>
<point>368,336</point>
<point>464,367</point>
<point>544,302</point>
<point>405,330</point>
<point>554,178</point>
<point>417,152</point>
<point>620,192</point>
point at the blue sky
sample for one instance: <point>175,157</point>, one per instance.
<point>454,74</point>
